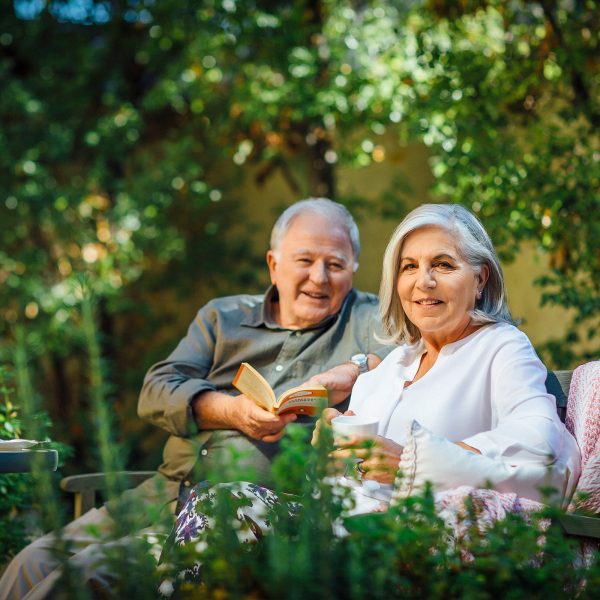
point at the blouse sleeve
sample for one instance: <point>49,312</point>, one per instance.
<point>525,424</point>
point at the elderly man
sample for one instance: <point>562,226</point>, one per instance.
<point>309,325</point>
<point>309,321</point>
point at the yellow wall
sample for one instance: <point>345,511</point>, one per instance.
<point>265,202</point>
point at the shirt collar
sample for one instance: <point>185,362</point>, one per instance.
<point>409,358</point>
<point>409,355</point>
<point>261,315</point>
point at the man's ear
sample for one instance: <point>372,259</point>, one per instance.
<point>272,263</point>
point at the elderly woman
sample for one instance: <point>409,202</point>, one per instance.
<point>462,400</point>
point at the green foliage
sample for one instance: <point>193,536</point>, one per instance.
<point>105,172</point>
<point>508,101</point>
<point>14,489</point>
<point>126,128</point>
<point>406,552</point>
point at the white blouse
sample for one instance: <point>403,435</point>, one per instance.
<point>487,390</point>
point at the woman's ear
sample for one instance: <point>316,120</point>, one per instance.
<point>482,279</point>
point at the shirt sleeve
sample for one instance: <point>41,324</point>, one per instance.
<point>525,424</point>
<point>170,385</point>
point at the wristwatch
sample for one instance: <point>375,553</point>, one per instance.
<point>360,360</point>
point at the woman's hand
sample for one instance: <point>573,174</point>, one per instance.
<point>380,456</point>
<point>325,421</point>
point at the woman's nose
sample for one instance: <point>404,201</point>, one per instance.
<point>426,279</point>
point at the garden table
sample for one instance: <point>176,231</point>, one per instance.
<point>15,459</point>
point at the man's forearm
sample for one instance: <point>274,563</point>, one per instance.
<point>213,410</point>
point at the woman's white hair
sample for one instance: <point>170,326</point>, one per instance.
<point>334,211</point>
<point>475,247</point>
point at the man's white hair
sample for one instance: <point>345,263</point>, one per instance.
<point>334,211</point>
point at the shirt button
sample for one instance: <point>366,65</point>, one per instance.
<point>204,452</point>
<point>279,368</point>
<point>187,484</point>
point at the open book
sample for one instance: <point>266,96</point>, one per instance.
<point>302,400</point>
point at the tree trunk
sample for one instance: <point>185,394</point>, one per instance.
<point>321,175</point>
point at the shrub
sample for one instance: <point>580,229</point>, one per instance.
<point>14,488</point>
<point>19,510</point>
<point>406,552</point>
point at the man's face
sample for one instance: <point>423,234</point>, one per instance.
<point>312,271</point>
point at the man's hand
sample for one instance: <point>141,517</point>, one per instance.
<point>341,379</point>
<point>214,410</point>
<point>256,422</point>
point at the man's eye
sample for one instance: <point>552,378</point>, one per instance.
<point>303,261</point>
<point>335,266</point>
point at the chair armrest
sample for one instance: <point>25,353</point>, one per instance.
<point>580,525</point>
<point>86,485</point>
<point>557,384</point>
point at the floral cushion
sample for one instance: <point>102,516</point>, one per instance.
<point>488,506</point>
<point>254,512</point>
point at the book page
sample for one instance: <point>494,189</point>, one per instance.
<point>250,382</point>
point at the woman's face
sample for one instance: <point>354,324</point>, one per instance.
<point>436,286</point>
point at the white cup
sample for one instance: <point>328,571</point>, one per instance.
<point>346,426</point>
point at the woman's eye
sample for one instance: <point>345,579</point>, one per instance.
<point>444,265</point>
<point>408,267</point>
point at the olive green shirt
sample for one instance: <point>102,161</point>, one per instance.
<point>235,329</point>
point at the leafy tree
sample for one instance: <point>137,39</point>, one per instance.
<point>126,127</point>
<point>504,94</point>
<point>104,171</point>
<point>508,98</point>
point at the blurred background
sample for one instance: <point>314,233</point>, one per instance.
<point>147,146</point>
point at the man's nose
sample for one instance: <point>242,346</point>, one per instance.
<point>318,272</point>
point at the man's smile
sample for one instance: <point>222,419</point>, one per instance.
<point>315,295</point>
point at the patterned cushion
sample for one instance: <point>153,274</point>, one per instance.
<point>583,421</point>
<point>587,492</point>
<point>583,409</point>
